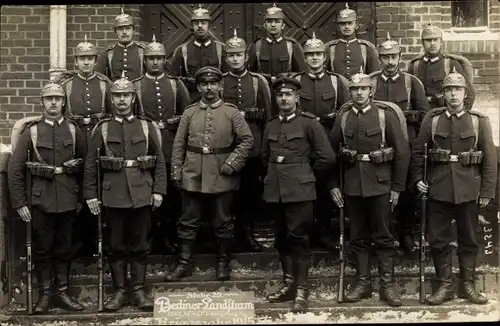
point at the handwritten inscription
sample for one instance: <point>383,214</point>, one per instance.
<point>488,234</point>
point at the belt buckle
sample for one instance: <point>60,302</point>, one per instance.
<point>128,163</point>
<point>86,121</point>
<point>58,170</point>
<point>280,159</point>
<point>273,79</point>
<point>429,98</point>
<point>206,150</point>
<point>161,125</point>
<point>453,158</point>
<point>365,158</point>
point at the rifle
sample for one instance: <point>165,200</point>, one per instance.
<point>340,297</point>
<point>100,268</point>
<point>29,281</point>
<point>423,216</point>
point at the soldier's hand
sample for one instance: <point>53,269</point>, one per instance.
<point>24,213</point>
<point>337,198</point>
<point>394,199</point>
<point>226,169</point>
<point>483,202</point>
<point>422,187</point>
<point>94,206</point>
<point>156,200</point>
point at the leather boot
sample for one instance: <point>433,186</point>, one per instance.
<point>222,269</point>
<point>287,291</point>
<point>444,276</point>
<point>44,278</point>
<point>247,238</point>
<point>183,268</point>
<point>137,280</point>
<point>119,275</point>
<point>62,298</point>
<point>466,288</point>
<point>168,246</point>
<point>387,290</point>
<point>362,289</point>
<point>300,302</point>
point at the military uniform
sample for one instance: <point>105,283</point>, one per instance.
<point>289,143</point>
<point>376,156</point>
<point>133,168</point>
<point>211,139</point>
<point>462,167</point>
<point>432,70</point>
<point>55,164</point>
<point>408,93</point>
<point>347,56</point>
<point>162,98</point>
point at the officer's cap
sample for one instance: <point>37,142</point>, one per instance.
<point>274,12</point>
<point>360,80</point>
<point>346,15</point>
<point>154,48</point>
<point>235,44</point>
<point>286,84</point>
<point>122,85</point>
<point>201,13</point>
<point>431,31</point>
<point>52,89</point>
<point>123,19</point>
<point>389,46</point>
<point>85,48</point>
<point>208,73</point>
<point>314,45</point>
<point>454,79</point>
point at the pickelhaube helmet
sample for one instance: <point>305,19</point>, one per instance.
<point>274,12</point>
<point>235,44</point>
<point>389,46</point>
<point>360,80</point>
<point>454,79</point>
<point>154,48</point>
<point>431,31</point>
<point>85,48</point>
<point>123,19</point>
<point>201,13</point>
<point>122,85</point>
<point>52,89</point>
<point>346,15</point>
<point>314,45</point>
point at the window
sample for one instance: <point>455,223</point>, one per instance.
<point>469,14</point>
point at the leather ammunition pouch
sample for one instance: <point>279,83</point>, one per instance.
<point>147,162</point>
<point>348,155</point>
<point>44,170</point>
<point>253,114</point>
<point>210,150</point>
<point>440,155</point>
<point>412,116</point>
<point>470,158</point>
<point>376,157</point>
<point>388,154</point>
<point>328,120</point>
<point>73,166</point>
<point>111,163</point>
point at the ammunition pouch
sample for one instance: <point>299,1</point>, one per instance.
<point>147,162</point>
<point>328,120</point>
<point>412,116</point>
<point>437,99</point>
<point>111,163</point>
<point>470,158</point>
<point>440,155</point>
<point>254,114</point>
<point>377,156</point>
<point>388,154</point>
<point>44,170</point>
<point>173,123</point>
<point>348,155</point>
<point>73,166</point>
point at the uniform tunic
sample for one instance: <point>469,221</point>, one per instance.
<point>128,58</point>
<point>348,57</point>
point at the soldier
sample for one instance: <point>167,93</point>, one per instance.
<point>322,94</point>
<point>347,54</point>
<point>392,85</point>
<point>133,179</point>
<point>290,140</point>
<point>432,66</point>
<point>56,148</point>
<point>375,155</point>
<point>124,56</point>
<point>210,148</point>
<point>250,92</point>
<point>462,173</point>
<point>162,98</point>
<point>202,51</point>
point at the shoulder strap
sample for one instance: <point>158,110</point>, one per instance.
<point>381,121</point>
<point>446,65</point>
<point>138,90</point>
<point>255,86</point>
<point>416,64</point>
<point>218,48</point>
<point>173,84</point>
<point>103,86</point>
<point>145,130</point>
<point>185,56</point>
<point>264,81</point>
<point>34,139</point>
<point>374,84</point>
<point>332,56</point>
<point>258,45</point>
<point>110,59</point>
<point>69,89</point>
<point>72,131</point>
<point>408,88</point>
<point>298,77</point>
<point>343,123</point>
<point>434,124</point>
<point>104,132</point>
<point>289,48</point>
<point>363,55</point>
<point>475,127</point>
<point>335,87</point>
<point>141,58</point>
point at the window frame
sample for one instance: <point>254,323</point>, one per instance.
<point>476,29</point>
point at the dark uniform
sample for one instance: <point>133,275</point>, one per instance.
<point>348,56</point>
<point>408,93</point>
<point>210,149</point>
<point>462,168</point>
<point>289,143</point>
<point>322,94</point>
<point>432,70</point>
<point>133,168</point>
<point>371,175</point>
<point>249,92</point>
<point>55,164</point>
<point>162,98</point>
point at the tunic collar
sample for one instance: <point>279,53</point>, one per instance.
<point>206,44</point>
<point>50,122</point>
<point>129,118</point>
<point>155,78</point>
<point>85,78</point>
<point>289,117</point>
<point>393,78</point>
<point>126,46</point>
<point>449,114</point>
<point>348,41</point>
<point>270,40</point>
<point>204,105</point>
<point>363,110</point>
<point>432,60</point>
<point>238,76</point>
<point>317,76</point>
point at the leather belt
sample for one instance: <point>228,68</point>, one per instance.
<point>58,170</point>
<point>278,159</point>
<point>454,158</point>
<point>130,163</point>
<point>209,150</point>
<point>363,157</point>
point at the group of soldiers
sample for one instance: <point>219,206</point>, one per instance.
<point>229,125</point>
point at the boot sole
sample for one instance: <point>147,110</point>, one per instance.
<point>357,300</point>
<point>438,303</point>
<point>471,301</point>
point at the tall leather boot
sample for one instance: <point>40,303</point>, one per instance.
<point>363,288</point>
<point>466,288</point>
<point>44,278</point>
<point>119,275</point>
<point>62,298</point>
<point>246,237</point>
<point>300,302</point>
<point>183,268</point>
<point>137,280</point>
<point>222,269</point>
<point>444,276</point>
<point>287,291</point>
<point>387,290</point>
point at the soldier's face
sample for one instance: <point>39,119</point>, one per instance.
<point>287,100</point>
<point>200,28</point>
<point>274,27</point>
<point>86,63</point>
<point>432,45</point>
<point>209,90</point>
<point>315,60</point>
<point>123,102</point>
<point>347,28</point>
<point>53,105</point>
<point>125,34</point>
<point>360,95</point>
<point>454,96</point>
<point>390,62</point>
<point>155,63</point>
<point>236,61</point>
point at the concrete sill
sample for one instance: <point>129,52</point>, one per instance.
<point>469,35</point>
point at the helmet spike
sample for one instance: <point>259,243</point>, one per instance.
<point>454,71</point>
<point>154,38</point>
<point>361,69</point>
<point>122,11</point>
<point>346,5</point>
<point>274,5</point>
<point>429,23</point>
<point>123,74</point>
<point>200,6</point>
<point>235,34</point>
<point>85,38</point>
<point>388,36</point>
<point>314,34</point>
